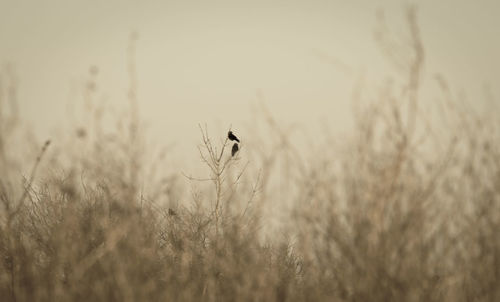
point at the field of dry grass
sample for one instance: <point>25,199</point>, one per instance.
<point>405,209</point>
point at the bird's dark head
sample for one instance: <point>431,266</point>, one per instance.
<point>232,137</point>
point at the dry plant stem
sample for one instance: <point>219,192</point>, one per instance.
<point>11,214</point>
<point>134,143</point>
<point>213,159</point>
<point>235,182</point>
<point>415,69</point>
<point>252,195</point>
<point>32,177</point>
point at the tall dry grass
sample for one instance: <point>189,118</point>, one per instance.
<point>406,209</point>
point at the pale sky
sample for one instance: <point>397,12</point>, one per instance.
<point>205,61</point>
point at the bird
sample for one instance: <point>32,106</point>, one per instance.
<point>232,137</point>
<point>234,149</point>
<point>171,212</point>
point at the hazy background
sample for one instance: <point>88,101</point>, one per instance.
<point>208,61</point>
<point>401,208</point>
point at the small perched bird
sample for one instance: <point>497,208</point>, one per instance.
<point>232,137</point>
<point>234,149</point>
<point>171,212</point>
